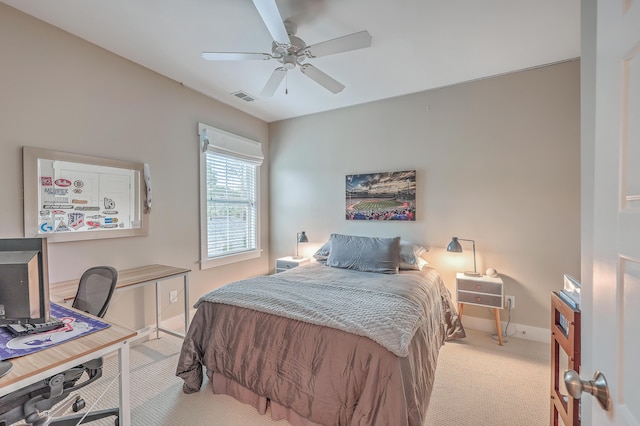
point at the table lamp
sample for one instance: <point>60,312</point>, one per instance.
<point>455,247</point>
<point>301,237</point>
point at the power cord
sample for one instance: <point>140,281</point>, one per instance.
<point>505,333</point>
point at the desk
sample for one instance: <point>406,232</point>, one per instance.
<point>32,368</point>
<point>134,278</point>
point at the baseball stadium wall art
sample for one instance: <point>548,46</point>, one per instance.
<point>381,196</point>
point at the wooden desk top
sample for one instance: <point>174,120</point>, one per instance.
<point>66,290</point>
<point>30,365</point>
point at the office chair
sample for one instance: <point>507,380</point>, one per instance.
<point>32,403</point>
<point>95,290</point>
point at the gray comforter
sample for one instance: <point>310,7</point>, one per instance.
<point>386,308</point>
<point>322,365</point>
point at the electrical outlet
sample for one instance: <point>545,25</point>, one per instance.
<point>509,302</point>
<point>173,296</point>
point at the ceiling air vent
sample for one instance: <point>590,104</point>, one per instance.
<point>244,96</point>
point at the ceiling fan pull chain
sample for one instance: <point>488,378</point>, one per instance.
<point>286,83</point>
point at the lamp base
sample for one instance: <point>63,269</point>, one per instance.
<point>472,274</point>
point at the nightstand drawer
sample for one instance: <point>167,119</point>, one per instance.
<point>480,299</point>
<point>286,264</point>
<point>289,262</point>
<point>480,287</point>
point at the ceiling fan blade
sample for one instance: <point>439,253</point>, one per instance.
<point>268,10</point>
<point>346,43</point>
<point>324,80</point>
<point>235,56</point>
<point>274,82</point>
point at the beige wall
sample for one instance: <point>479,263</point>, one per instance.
<point>497,160</point>
<point>61,93</point>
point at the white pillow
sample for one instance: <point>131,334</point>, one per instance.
<point>422,263</point>
<point>409,255</point>
<point>323,252</point>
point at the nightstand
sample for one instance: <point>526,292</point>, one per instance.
<point>288,262</point>
<point>481,291</point>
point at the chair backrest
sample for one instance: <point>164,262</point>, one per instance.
<point>95,290</point>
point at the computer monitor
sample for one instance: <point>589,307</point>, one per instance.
<point>24,281</point>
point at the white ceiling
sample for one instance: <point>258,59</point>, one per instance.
<point>417,44</point>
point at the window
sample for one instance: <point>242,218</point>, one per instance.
<point>229,171</point>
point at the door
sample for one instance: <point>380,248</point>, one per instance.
<point>610,68</point>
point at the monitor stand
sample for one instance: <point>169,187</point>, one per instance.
<point>5,367</point>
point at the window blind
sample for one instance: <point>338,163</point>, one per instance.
<point>229,207</point>
<point>231,204</point>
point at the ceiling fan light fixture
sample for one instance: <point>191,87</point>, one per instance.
<point>292,51</point>
<point>289,62</point>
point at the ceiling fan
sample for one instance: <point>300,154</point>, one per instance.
<point>292,51</point>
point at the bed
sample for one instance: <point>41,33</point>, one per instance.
<point>346,340</point>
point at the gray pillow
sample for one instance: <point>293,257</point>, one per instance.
<point>367,254</point>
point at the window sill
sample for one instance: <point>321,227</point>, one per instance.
<point>227,260</point>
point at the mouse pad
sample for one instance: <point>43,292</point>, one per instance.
<point>75,325</point>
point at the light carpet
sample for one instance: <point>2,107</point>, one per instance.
<point>477,383</point>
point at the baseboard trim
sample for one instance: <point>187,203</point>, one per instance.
<point>520,331</point>
<point>177,322</point>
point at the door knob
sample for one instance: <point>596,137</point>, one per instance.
<point>597,387</point>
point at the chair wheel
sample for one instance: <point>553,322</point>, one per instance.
<point>78,405</point>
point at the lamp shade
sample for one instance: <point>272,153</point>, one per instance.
<point>454,246</point>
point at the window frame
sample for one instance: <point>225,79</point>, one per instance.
<point>234,146</point>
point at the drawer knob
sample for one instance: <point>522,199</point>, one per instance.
<point>478,299</point>
<point>478,287</point>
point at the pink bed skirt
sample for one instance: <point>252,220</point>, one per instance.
<point>223,385</point>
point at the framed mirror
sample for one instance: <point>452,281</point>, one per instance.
<point>70,197</point>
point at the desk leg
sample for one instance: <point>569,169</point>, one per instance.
<point>158,310</point>
<point>186,304</point>
<point>125,389</point>
<point>496,314</point>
